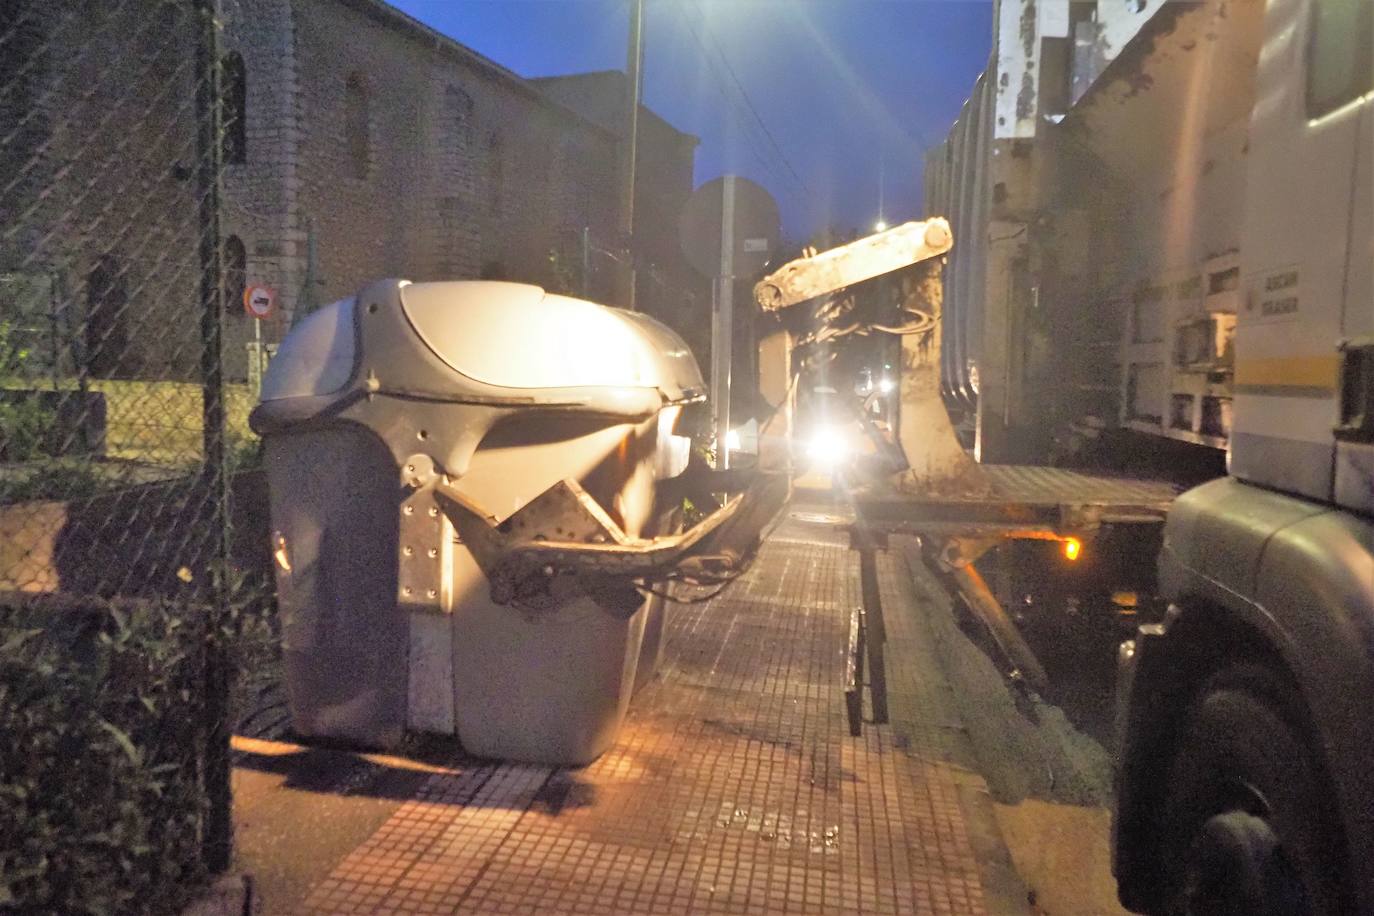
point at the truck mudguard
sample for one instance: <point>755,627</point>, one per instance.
<point>1252,574</point>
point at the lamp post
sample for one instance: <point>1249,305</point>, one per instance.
<point>628,149</point>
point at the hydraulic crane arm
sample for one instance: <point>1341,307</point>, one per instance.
<point>936,462</point>
<point>830,271</point>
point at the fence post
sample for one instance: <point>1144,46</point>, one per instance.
<point>218,838</point>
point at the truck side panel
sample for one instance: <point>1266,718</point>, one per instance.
<point>1303,140</point>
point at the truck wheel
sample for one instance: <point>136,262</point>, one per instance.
<point>1251,825</point>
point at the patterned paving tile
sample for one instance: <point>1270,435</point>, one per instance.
<point>734,788</point>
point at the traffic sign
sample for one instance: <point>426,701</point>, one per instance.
<point>748,239</point>
<point>260,301</point>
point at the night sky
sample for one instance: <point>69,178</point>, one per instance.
<point>847,90</point>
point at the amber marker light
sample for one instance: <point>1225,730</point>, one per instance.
<point>1072,548</point>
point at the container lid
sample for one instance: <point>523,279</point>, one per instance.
<point>317,357</point>
<point>514,335</point>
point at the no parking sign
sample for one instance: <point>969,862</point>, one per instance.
<point>260,301</point>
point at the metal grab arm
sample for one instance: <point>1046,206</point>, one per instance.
<point>565,532</point>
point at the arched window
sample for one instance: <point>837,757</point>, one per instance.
<point>234,94</point>
<point>496,174</point>
<point>357,126</point>
<point>455,131</point>
<point>106,331</point>
<point>458,108</point>
<point>235,274</point>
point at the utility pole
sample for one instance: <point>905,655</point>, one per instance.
<point>723,324</point>
<point>628,148</point>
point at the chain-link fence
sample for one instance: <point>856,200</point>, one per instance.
<point>124,456</point>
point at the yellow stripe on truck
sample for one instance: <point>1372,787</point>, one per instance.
<point>1289,376</point>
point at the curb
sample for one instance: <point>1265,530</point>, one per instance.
<point>231,895</point>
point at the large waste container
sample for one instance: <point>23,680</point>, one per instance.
<point>381,414</point>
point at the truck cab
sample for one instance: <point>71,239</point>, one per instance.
<point>1245,782</point>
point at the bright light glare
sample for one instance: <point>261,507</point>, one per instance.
<point>880,226</point>
<point>885,385</point>
<point>827,447</point>
<point>1072,548</point>
<point>732,440</point>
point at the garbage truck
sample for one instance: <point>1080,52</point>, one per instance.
<point>1165,259</point>
<point>1245,781</point>
<point>1201,224</point>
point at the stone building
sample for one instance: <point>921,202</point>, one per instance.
<point>374,146</point>
<point>359,144</point>
<point>663,182</point>
<point>98,218</point>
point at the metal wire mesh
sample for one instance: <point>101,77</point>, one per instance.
<point>122,448</point>
<point>109,375</point>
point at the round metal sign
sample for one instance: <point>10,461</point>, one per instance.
<point>729,224</point>
<point>260,301</point>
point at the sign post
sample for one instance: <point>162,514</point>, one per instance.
<point>259,301</point>
<point>729,228</point>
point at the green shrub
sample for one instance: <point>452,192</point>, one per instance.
<point>14,356</point>
<point>24,428</point>
<point>102,803</point>
<point>56,479</point>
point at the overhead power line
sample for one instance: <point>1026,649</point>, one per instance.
<point>734,77</point>
<point>789,180</point>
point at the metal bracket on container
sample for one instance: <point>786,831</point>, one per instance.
<point>425,542</point>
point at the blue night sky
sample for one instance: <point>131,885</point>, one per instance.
<point>849,90</point>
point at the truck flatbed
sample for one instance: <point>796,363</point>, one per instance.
<point>1021,498</point>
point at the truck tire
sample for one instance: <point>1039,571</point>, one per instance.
<point>1250,821</point>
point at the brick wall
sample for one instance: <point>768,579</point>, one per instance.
<point>97,192</point>
<point>262,194</point>
<point>373,147</point>
<point>469,171</point>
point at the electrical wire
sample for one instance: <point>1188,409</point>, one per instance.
<point>754,145</point>
<point>749,102</point>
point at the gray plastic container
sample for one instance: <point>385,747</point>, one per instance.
<point>495,392</point>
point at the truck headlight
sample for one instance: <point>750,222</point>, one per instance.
<point>827,447</point>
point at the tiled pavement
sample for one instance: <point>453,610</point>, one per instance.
<point>735,786</point>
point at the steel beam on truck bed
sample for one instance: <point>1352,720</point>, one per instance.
<point>1021,501</point>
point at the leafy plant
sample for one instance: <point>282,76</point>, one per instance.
<point>24,420</point>
<point>25,423</point>
<point>64,480</point>
<point>101,797</point>
<point>13,354</point>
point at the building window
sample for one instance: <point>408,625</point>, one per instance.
<point>357,126</point>
<point>496,174</point>
<point>235,274</point>
<point>234,143</point>
<point>107,304</point>
<point>1339,65</point>
<point>457,111</point>
<point>455,141</point>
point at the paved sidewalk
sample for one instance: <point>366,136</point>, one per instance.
<point>735,786</point>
